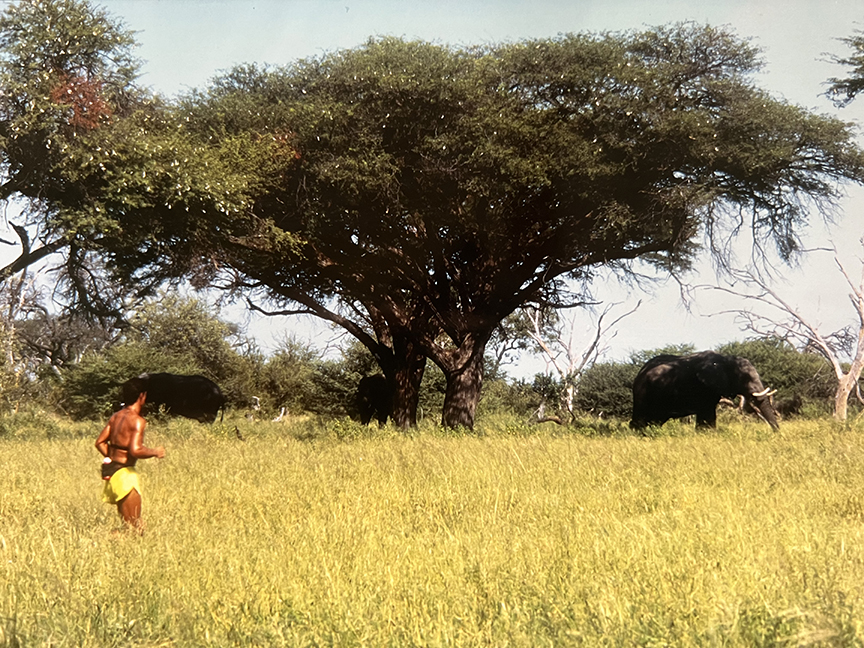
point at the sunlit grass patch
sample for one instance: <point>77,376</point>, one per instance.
<point>339,535</point>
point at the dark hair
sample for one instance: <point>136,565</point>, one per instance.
<point>132,389</point>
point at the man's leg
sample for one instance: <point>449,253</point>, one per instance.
<point>130,509</point>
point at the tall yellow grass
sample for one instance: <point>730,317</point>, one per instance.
<point>731,538</point>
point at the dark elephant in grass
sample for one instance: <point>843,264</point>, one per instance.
<point>670,386</point>
<point>374,399</point>
<point>194,397</point>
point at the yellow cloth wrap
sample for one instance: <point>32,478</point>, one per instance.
<point>120,485</point>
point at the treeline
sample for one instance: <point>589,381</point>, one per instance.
<point>74,368</point>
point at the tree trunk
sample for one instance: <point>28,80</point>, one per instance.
<point>568,398</point>
<point>410,364</point>
<point>463,392</point>
<point>841,397</point>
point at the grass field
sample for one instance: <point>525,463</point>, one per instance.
<point>314,535</point>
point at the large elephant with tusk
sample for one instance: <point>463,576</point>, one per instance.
<point>670,386</point>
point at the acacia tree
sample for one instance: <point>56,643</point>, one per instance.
<point>845,89</point>
<point>435,190</point>
<point>784,320</point>
<point>84,149</point>
<point>66,73</point>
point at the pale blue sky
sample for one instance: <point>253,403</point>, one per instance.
<point>186,42</point>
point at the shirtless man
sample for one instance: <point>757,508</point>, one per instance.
<point>122,445</point>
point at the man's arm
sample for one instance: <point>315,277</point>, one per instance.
<point>102,440</point>
<point>137,449</point>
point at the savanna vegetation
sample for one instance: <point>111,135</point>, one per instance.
<point>416,196</point>
<point>306,534</point>
<point>184,335</point>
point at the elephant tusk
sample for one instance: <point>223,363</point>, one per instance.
<point>764,392</point>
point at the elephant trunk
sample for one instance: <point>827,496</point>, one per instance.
<point>763,403</point>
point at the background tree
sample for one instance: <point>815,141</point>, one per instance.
<point>435,190</point>
<point>181,327</point>
<point>569,357</point>
<point>173,334</point>
<point>844,90</point>
<point>288,377</point>
<point>16,373</point>
<point>784,320</point>
<point>39,344</point>
<point>511,337</point>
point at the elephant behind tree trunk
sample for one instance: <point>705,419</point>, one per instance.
<point>374,399</point>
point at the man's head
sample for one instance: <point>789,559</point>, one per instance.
<point>133,390</point>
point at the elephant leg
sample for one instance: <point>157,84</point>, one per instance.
<point>640,418</point>
<point>653,421</point>
<point>707,418</point>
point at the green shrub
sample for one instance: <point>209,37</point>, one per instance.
<point>287,378</point>
<point>502,397</point>
<point>789,371</point>
<point>91,387</point>
<point>606,389</point>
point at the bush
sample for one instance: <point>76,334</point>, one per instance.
<point>789,371</point>
<point>606,389</point>
<point>501,397</point>
<point>174,335</point>
<point>91,387</point>
<point>288,377</point>
<point>332,389</point>
<point>432,391</point>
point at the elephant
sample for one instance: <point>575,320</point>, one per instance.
<point>194,397</point>
<point>671,386</point>
<point>374,398</point>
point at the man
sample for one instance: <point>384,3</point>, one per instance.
<point>122,445</point>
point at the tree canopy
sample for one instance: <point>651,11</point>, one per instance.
<point>85,150</point>
<point>434,189</point>
<point>67,73</point>
<point>845,89</point>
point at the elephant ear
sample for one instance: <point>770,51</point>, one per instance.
<point>713,374</point>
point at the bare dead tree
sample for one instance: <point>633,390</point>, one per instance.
<point>786,321</point>
<point>560,347</point>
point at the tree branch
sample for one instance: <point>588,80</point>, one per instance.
<point>28,257</point>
